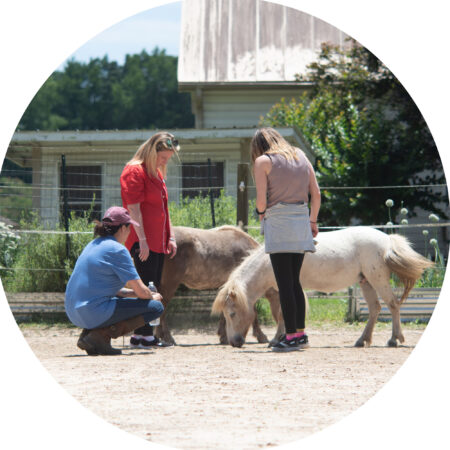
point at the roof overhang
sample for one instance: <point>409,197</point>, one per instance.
<point>187,86</point>
<point>23,142</point>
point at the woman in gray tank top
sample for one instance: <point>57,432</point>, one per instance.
<point>285,181</point>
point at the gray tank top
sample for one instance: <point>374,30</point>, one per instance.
<point>288,181</point>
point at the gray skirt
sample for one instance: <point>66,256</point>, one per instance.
<point>287,229</point>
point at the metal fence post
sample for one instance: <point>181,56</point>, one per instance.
<point>242,196</point>
<point>211,197</point>
<point>65,203</point>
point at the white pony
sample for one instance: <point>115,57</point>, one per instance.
<point>354,255</point>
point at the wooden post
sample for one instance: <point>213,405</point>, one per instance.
<point>351,306</point>
<point>242,196</point>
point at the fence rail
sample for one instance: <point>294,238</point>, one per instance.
<point>26,304</point>
<point>419,305</point>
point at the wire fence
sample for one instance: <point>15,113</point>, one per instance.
<point>44,196</point>
<point>44,233</point>
<point>56,187</point>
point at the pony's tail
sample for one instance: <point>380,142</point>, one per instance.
<point>407,264</point>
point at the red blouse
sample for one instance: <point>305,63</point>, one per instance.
<point>151,193</point>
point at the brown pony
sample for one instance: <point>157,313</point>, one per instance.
<point>204,260</point>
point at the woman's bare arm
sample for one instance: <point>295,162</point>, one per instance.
<point>135,213</point>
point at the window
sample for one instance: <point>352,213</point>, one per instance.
<point>83,189</point>
<point>196,180</point>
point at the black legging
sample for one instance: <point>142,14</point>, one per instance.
<point>286,267</point>
<point>148,270</point>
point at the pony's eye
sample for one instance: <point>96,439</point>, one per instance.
<point>232,314</point>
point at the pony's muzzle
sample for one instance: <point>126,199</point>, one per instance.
<point>237,340</point>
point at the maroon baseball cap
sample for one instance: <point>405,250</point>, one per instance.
<point>116,215</point>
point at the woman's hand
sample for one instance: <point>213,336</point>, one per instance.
<point>314,228</point>
<point>172,247</point>
<point>144,251</point>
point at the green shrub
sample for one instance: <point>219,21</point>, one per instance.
<point>42,263</point>
<point>9,243</point>
<point>196,213</point>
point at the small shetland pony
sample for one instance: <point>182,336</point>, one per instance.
<point>354,255</point>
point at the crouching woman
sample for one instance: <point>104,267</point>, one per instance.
<point>96,299</point>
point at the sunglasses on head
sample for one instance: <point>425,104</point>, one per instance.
<point>169,143</point>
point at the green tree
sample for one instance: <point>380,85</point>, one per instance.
<point>141,93</point>
<point>41,112</point>
<point>366,131</point>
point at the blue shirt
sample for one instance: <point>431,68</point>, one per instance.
<point>103,268</point>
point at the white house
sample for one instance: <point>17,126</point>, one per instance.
<point>240,57</point>
<point>94,161</point>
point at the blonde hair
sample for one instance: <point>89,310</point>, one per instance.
<point>147,152</point>
<point>268,140</point>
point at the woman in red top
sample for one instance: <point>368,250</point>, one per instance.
<point>144,194</point>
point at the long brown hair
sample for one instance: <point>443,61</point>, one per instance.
<point>147,152</point>
<point>268,140</point>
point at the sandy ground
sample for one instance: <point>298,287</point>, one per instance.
<point>202,395</point>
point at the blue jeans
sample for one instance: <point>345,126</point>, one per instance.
<point>126,308</point>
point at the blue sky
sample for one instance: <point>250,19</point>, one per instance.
<point>156,27</point>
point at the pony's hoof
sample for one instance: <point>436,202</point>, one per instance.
<point>262,339</point>
<point>361,343</point>
<point>169,339</point>
<point>392,343</point>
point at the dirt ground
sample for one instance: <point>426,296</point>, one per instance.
<point>202,395</point>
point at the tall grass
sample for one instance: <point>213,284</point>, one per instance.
<point>40,261</point>
<point>196,213</point>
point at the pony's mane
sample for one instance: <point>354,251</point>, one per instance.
<point>235,285</point>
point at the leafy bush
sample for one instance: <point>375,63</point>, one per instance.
<point>42,263</point>
<point>434,276</point>
<point>9,242</point>
<point>196,213</point>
